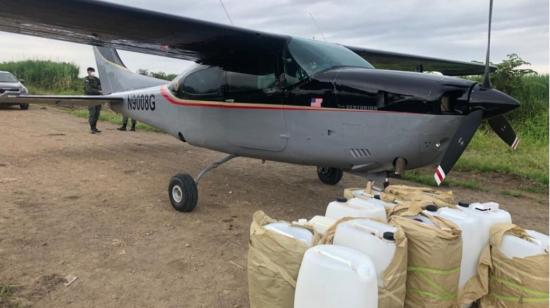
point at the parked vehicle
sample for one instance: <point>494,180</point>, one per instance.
<point>10,85</point>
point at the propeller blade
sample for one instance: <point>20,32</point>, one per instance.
<point>504,130</point>
<point>486,75</point>
<point>458,144</point>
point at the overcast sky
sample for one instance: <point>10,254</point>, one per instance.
<point>440,28</point>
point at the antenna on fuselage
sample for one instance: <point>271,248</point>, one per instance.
<point>226,13</point>
<point>317,26</point>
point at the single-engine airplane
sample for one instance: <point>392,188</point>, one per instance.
<point>274,97</point>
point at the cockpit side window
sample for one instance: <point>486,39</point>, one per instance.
<point>292,71</point>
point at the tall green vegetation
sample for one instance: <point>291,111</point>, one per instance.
<point>46,75</point>
<point>531,89</point>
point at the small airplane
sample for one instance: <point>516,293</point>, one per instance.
<point>274,97</point>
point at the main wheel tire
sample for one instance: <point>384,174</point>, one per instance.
<point>330,176</point>
<point>24,106</point>
<point>183,193</point>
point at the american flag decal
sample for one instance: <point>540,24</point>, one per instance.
<point>316,102</point>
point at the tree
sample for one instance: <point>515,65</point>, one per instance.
<point>508,77</point>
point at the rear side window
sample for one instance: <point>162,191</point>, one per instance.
<point>203,82</point>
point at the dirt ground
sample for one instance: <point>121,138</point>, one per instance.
<point>96,207</point>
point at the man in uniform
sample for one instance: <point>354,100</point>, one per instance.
<point>92,86</point>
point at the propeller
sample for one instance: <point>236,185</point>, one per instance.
<point>458,144</point>
<point>502,128</point>
<point>469,126</point>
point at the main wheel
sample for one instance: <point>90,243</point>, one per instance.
<point>329,176</point>
<point>183,193</point>
<point>24,106</point>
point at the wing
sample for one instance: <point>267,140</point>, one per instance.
<point>60,100</point>
<point>404,62</point>
<point>112,25</point>
<point>126,28</point>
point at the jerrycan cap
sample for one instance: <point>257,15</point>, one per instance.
<point>432,208</point>
<point>388,236</point>
<point>377,197</point>
<point>341,199</point>
<point>463,204</point>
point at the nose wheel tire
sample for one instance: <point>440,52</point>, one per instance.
<point>329,176</point>
<point>183,193</point>
<point>24,106</point>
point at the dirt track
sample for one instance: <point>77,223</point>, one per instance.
<point>96,207</point>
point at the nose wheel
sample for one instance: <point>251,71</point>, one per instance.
<point>329,176</point>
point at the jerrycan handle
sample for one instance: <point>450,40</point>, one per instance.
<point>281,232</point>
<point>336,258</point>
<point>366,228</point>
<point>486,207</point>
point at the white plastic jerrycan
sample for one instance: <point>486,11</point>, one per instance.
<point>489,214</point>
<point>333,276</point>
<point>472,243</point>
<point>356,207</point>
<point>322,223</point>
<point>372,238</point>
<point>515,247</point>
<point>361,193</point>
<point>287,229</point>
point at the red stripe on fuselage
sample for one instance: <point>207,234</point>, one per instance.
<point>225,105</point>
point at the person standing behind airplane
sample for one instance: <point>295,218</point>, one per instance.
<point>92,86</point>
<point>125,123</point>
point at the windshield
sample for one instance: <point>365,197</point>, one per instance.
<point>7,77</point>
<point>314,56</point>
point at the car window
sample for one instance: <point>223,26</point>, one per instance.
<point>7,77</point>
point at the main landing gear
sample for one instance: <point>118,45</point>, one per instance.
<point>183,188</point>
<point>329,176</point>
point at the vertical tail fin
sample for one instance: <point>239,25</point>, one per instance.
<point>115,77</point>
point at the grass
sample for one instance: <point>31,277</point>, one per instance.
<point>426,178</point>
<point>487,153</point>
<point>7,300</point>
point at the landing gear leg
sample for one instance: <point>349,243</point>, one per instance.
<point>183,191</point>
<point>329,176</point>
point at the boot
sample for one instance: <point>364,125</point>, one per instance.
<point>133,129</point>
<point>122,128</point>
<point>94,129</point>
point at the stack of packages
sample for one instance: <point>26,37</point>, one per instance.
<point>403,247</point>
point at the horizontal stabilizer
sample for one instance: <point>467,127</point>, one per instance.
<point>68,101</point>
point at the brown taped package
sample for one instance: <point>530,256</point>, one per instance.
<point>420,196</point>
<point>513,282</point>
<point>434,256</point>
